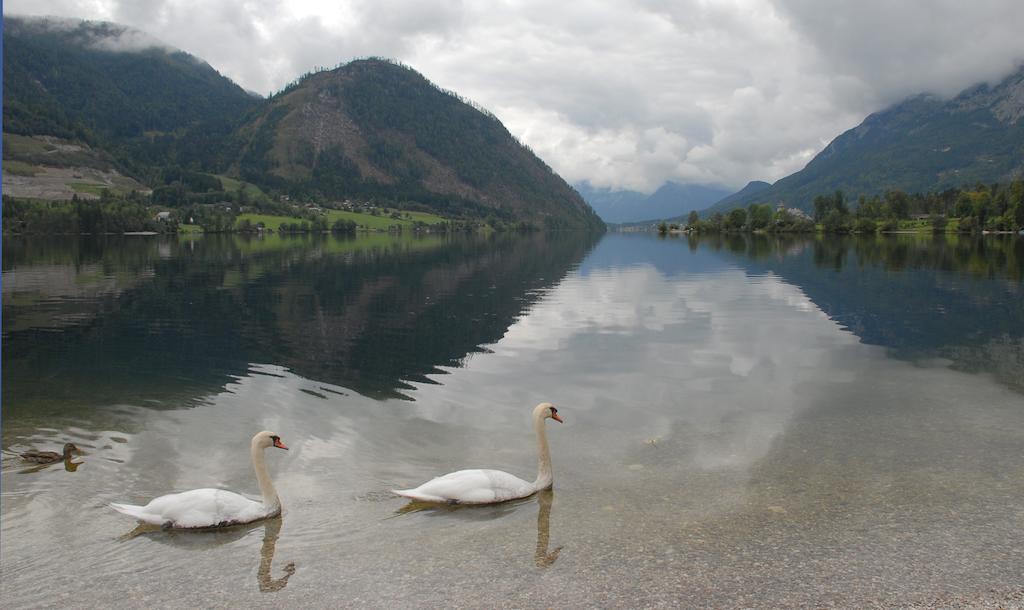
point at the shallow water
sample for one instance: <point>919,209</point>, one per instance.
<point>749,422</point>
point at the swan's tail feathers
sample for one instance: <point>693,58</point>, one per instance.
<point>139,512</point>
<point>415,494</point>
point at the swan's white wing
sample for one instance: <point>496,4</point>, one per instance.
<point>470,487</point>
<point>197,508</point>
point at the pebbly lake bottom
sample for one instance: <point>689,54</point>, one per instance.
<point>727,444</point>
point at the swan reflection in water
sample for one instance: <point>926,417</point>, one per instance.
<point>272,529</point>
<point>200,539</point>
<point>542,558</point>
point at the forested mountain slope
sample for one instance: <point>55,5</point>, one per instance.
<point>119,90</point>
<point>922,144</point>
<point>373,128</point>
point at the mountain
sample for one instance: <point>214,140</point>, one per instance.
<point>376,129</point>
<point>727,202</point>
<point>608,203</point>
<point>922,144</point>
<point>671,199</point>
<point>80,94</point>
<point>750,190</point>
<point>116,89</point>
<point>679,199</point>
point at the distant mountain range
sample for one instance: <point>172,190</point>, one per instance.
<point>671,199</point>
<point>922,144</point>
<point>370,129</point>
<point>748,191</point>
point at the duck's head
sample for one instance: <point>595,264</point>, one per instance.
<point>545,410</point>
<point>70,448</point>
<point>267,439</point>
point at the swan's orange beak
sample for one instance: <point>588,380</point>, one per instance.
<point>279,444</point>
<point>557,418</point>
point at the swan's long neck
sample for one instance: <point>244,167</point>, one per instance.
<point>270,499</point>
<point>544,477</point>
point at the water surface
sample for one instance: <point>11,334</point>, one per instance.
<point>749,422</point>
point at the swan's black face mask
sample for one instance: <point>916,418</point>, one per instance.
<point>555,416</point>
<point>277,442</point>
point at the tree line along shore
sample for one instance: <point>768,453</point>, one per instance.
<point>982,208</point>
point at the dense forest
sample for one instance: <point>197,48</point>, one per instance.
<point>106,215</point>
<point>148,108</point>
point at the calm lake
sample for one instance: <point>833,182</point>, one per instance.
<point>749,421</point>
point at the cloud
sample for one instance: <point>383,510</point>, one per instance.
<point>116,39</point>
<point>624,95</point>
<point>128,41</point>
<point>692,336</point>
<point>891,50</point>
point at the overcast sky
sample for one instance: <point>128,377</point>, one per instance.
<point>625,95</point>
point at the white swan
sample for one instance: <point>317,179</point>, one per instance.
<point>214,507</point>
<point>490,486</point>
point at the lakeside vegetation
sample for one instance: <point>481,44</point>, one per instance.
<point>196,202</point>
<point>192,202</point>
<point>990,208</point>
<point>108,214</point>
<point>113,213</point>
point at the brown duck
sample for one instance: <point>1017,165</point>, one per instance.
<point>49,457</point>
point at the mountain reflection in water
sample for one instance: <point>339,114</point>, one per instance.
<point>958,298</point>
<point>103,321</point>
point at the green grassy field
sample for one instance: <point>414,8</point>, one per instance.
<point>381,222</point>
<point>908,226</point>
<point>269,221</point>
<point>925,226</point>
<point>18,168</point>
<point>254,192</point>
<point>17,145</point>
<point>363,221</point>
<point>89,187</point>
